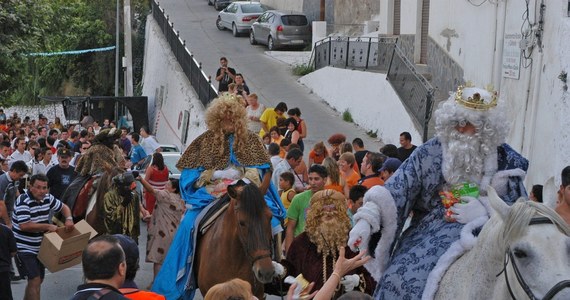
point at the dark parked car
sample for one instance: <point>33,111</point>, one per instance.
<point>278,29</point>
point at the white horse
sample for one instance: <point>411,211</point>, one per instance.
<point>522,252</point>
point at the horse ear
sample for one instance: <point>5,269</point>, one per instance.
<point>549,193</point>
<point>499,206</point>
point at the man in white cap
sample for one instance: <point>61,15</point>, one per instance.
<point>466,156</point>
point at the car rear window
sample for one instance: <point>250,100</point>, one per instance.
<point>294,20</point>
<point>252,8</point>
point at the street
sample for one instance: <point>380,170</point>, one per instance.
<point>269,78</point>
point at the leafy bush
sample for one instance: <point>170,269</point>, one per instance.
<point>347,116</point>
<point>302,69</point>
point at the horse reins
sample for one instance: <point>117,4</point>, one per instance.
<point>509,257</point>
<point>245,245</point>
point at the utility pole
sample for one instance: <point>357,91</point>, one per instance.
<point>117,52</point>
<point>128,62</point>
<point>117,59</point>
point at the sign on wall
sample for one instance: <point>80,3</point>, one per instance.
<point>512,55</point>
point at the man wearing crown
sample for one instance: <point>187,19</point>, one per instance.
<point>444,184</point>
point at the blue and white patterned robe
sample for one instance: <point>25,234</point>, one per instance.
<point>416,186</point>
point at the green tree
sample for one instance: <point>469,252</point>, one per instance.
<point>30,26</point>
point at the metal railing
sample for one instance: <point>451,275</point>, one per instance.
<point>366,53</point>
<point>414,90</point>
<point>201,83</point>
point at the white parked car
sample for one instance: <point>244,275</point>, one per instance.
<point>170,160</point>
<point>169,148</point>
<point>239,16</point>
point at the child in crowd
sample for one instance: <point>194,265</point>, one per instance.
<point>274,152</point>
<point>286,190</point>
<point>266,140</point>
<point>318,154</point>
<point>284,145</point>
<point>276,137</point>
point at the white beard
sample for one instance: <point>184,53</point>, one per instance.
<point>463,158</point>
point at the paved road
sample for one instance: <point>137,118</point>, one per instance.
<point>271,79</point>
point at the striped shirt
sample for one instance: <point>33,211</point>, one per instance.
<point>29,210</point>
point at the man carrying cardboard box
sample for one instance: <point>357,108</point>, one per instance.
<point>31,219</point>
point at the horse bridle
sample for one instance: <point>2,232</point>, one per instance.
<point>244,244</point>
<point>509,257</point>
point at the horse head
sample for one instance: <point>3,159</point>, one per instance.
<point>253,228</point>
<point>535,243</point>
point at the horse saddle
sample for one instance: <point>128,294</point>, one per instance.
<point>76,196</point>
<point>213,212</point>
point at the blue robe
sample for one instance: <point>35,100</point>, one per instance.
<point>416,186</point>
<point>175,279</point>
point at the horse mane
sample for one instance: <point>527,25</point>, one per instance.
<point>520,215</point>
<point>251,201</point>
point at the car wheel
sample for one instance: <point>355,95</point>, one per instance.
<point>252,38</point>
<point>210,2</point>
<point>270,44</point>
<point>216,6</point>
<point>219,24</point>
<point>235,32</point>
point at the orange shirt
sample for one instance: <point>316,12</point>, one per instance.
<point>317,159</point>
<point>371,181</point>
<point>136,294</point>
<point>336,187</point>
<point>352,179</point>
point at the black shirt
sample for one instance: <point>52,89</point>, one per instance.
<point>403,153</point>
<point>84,291</point>
<point>359,156</point>
<point>60,179</point>
<point>7,247</point>
<point>226,80</point>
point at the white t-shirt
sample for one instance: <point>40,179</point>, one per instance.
<point>149,145</point>
<point>254,126</point>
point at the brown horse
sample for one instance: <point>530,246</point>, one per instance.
<point>84,199</point>
<point>238,245</point>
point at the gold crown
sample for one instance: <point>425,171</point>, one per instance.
<point>475,102</point>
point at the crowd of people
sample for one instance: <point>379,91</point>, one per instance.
<point>44,164</point>
<point>352,221</point>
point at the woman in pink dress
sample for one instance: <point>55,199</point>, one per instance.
<point>157,176</point>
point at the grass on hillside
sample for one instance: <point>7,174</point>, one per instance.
<point>347,116</point>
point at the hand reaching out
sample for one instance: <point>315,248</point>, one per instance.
<point>343,265</point>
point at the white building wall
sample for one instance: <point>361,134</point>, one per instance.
<point>408,16</point>
<point>473,45</point>
<point>162,72</point>
<point>294,5</point>
<point>538,106</point>
<point>370,99</point>
<point>547,139</point>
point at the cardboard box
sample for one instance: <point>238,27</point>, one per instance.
<point>60,250</point>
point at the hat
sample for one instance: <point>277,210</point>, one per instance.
<point>129,246</point>
<point>63,152</point>
<point>107,135</point>
<point>391,165</point>
<point>124,178</point>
